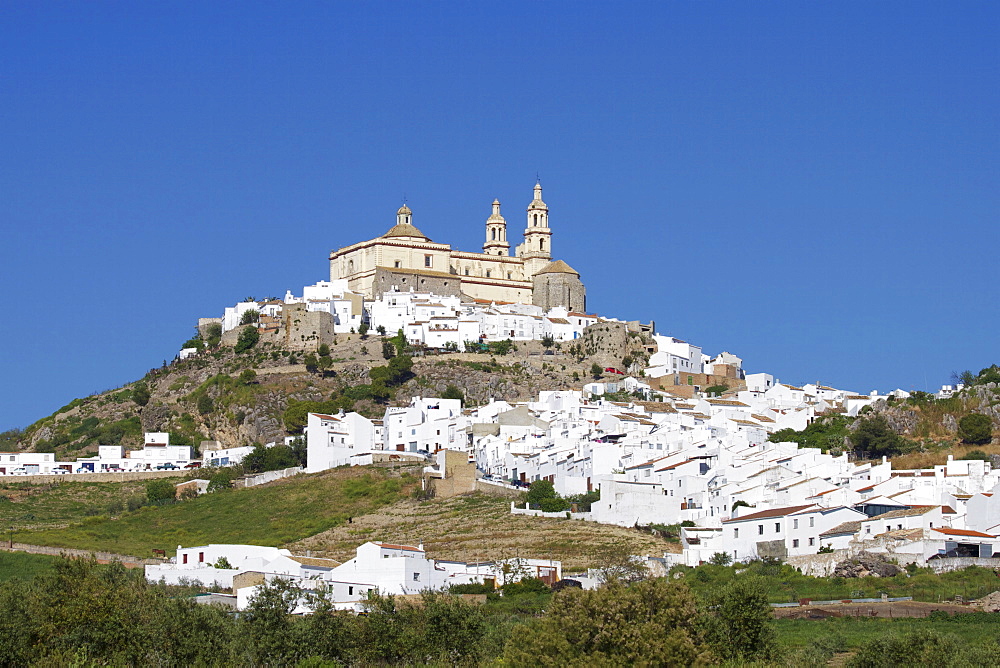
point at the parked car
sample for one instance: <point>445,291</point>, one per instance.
<point>114,469</point>
<point>193,465</point>
<point>58,471</point>
<point>20,470</point>
<point>84,470</point>
<point>167,467</point>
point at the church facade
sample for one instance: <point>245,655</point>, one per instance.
<point>404,258</point>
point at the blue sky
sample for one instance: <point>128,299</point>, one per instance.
<point>812,186</point>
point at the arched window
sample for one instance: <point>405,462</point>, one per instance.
<point>541,244</point>
<point>350,266</point>
<point>494,233</point>
<point>536,220</point>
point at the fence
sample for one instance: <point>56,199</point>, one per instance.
<point>102,557</point>
<point>563,514</point>
<point>267,476</point>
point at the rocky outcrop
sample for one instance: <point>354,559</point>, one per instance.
<point>866,564</point>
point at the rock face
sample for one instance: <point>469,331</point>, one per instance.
<point>989,603</point>
<point>865,564</point>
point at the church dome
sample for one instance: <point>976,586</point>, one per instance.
<point>405,230</point>
<point>403,211</point>
<point>557,267</point>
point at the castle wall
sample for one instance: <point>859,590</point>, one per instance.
<point>402,280</point>
<point>551,290</point>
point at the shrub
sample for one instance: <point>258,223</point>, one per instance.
<point>158,491</point>
<point>249,336</point>
<point>975,429</point>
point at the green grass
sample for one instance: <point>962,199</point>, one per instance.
<point>29,506</point>
<point>273,515</point>
<point>784,584</point>
<point>971,629</point>
<point>23,566</point>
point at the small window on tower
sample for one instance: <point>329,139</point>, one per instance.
<point>427,260</point>
<point>466,271</point>
<point>487,273</point>
<point>396,264</point>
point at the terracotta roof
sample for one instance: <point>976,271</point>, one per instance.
<point>761,418</point>
<point>726,402</point>
<point>559,321</point>
<point>321,416</point>
<point>405,230</point>
<point>906,512</point>
<point>846,527</point>
<point>557,267</point>
<point>313,561</point>
<point>773,512</point>
<point>948,531</point>
<point>390,546</point>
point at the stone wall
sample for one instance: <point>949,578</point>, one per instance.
<point>559,289</point>
<point>459,476</point>
<point>401,280</point>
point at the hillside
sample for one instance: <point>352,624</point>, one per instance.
<point>241,398</point>
<point>329,514</point>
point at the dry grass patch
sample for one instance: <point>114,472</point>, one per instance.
<point>478,528</point>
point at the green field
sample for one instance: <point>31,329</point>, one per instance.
<point>269,515</point>
<point>24,505</point>
<point>852,632</point>
<point>22,566</point>
<point>785,584</point>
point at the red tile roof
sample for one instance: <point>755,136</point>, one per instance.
<point>773,512</point>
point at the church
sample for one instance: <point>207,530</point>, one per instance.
<point>403,259</point>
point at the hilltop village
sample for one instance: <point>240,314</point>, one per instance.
<point>655,433</point>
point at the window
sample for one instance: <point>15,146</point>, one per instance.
<point>795,524</point>
<point>185,559</point>
<point>868,529</point>
<point>396,264</point>
<point>427,260</point>
<point>760,529</point>
<point>488,273</point>
<point>795,542</point>
<point>736,533</point>
<point>201,557</point>
<point>812,521</point>
<point>416,577</point>
<point>541,244</point>
<point>777,527</point>
<point>350,591</point>
<point>812,541</point>
<point>466,271</point>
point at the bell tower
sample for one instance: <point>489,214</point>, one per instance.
<point>496,233</point>
<point>537,235</point>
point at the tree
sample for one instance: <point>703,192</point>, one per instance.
<point>596,371</point>
<point>324,364</point>
<point>205,404</point>
<point>452,392</point>
<point>311,362</point>
<point>222,562</point>
<point>388,350</point>
<point>548,341</point>
<point>140,394</point>
<point>654,623</point>
<point>740,625</point>
<point>617,564</point>
<point>975,429</point>
<point>874,436</point>
<point>248,338</point>
<point>323,350</point>
<point>213,334</point>
<point>158,491</point>
<point>247,377</point>
<point>721,559</point>
<point>250,316</point>
<point>381,330</point>
<point>504,347</point>
<point>363,330</point>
